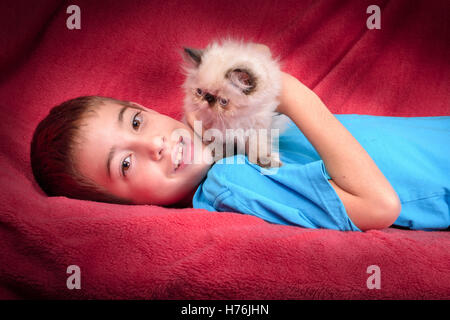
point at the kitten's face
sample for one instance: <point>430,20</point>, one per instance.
<point>217,88</point>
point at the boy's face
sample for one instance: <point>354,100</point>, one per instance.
<point>132,153</point>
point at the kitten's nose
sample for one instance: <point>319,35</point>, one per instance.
<point>210,98</point>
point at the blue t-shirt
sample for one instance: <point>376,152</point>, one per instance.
<point>413,153</point>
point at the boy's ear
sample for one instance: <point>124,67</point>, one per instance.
<point>193,56</point>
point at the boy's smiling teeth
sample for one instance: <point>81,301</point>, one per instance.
<point>179,154</point>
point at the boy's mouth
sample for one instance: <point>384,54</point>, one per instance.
<point>178,154</point>
<point>182,153</point>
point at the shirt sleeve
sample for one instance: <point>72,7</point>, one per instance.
<point>296,194</point>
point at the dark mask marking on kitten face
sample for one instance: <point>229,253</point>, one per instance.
<point>242,79</point>
<point>210,99</point>
<point>195,55</point>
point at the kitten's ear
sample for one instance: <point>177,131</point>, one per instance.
<point>193,56</point>
<point>243,79</point>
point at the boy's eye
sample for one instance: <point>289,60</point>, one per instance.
<point>126,165</point>
<point>136,121</point>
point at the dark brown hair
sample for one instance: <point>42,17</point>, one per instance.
<point>52,148</point>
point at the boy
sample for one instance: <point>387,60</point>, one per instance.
<point>109,150</point>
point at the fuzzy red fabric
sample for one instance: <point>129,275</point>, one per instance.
<point>131,50</point>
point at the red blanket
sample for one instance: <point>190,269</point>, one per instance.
<point>130,50</point>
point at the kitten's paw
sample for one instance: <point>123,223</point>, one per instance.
<point>272,161</point>
<point>208,140</point>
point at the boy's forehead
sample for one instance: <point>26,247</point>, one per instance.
<point>107,113</point>
<point>99,118</point>
<point>103,108</point>
<point>109,105</point>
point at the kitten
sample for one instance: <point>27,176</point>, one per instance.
<point>235,85</point>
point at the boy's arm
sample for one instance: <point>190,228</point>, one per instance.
<point>367,195</point>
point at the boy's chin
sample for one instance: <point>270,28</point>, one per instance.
<point>184,202</point>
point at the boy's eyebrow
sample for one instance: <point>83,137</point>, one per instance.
<point>119,123</point>
<point>108,162</point>
<point>120,117</point>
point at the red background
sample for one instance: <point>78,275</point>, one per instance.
<point>130,50</point>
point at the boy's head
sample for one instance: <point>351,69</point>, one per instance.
<point>108,150</point>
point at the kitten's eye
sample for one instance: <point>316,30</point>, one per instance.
<point>136,121</point>
<point>199,92</point>
<point>223,102</point>
<point>125,165</point>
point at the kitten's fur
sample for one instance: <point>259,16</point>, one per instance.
<point>246,75</point>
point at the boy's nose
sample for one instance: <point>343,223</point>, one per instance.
<point>158,147</point>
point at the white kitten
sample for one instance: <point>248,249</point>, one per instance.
<point>235,85</point>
